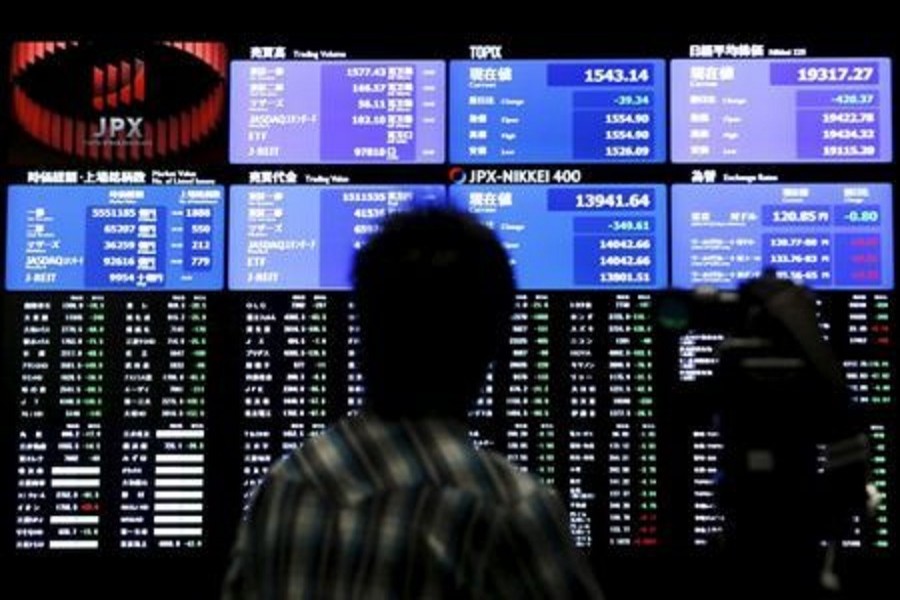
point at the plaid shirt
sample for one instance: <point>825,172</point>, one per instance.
<point>376,509</point>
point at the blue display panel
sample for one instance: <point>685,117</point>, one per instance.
<point>782,111</point>
<point>304,237</point>
<point>566,237</point>
<point>572,111</point>
<point>827,236</point>
<point>115,238</point>
<point>344,112</point>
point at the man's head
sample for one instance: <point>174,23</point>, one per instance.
<point>434,290</point>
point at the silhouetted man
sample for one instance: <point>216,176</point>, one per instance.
<point>397,502</point>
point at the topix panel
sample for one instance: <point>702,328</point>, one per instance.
<point>575,111</point>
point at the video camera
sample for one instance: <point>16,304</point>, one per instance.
<point>793,469</point>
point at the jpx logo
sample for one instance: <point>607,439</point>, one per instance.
<point>116,86</point>
<point>117,103</point>
<point>119,84</point>
<point>129,128</point>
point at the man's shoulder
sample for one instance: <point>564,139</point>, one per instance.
<point>362,456</point>
<point>514,483</point>
<point>322,466</point>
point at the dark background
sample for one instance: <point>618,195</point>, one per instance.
<point>668,571</point>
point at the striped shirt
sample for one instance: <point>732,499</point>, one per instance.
<point>403,509</point>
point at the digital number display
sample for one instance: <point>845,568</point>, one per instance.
<point>827,236</point>
<point>781,111</point>
<point>576,237</point>
<point>343,112</point>
<point>115,238</point>
<point>304,237</point>
<point>527,111</point>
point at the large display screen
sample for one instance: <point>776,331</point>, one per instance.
<point>181,218</point>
